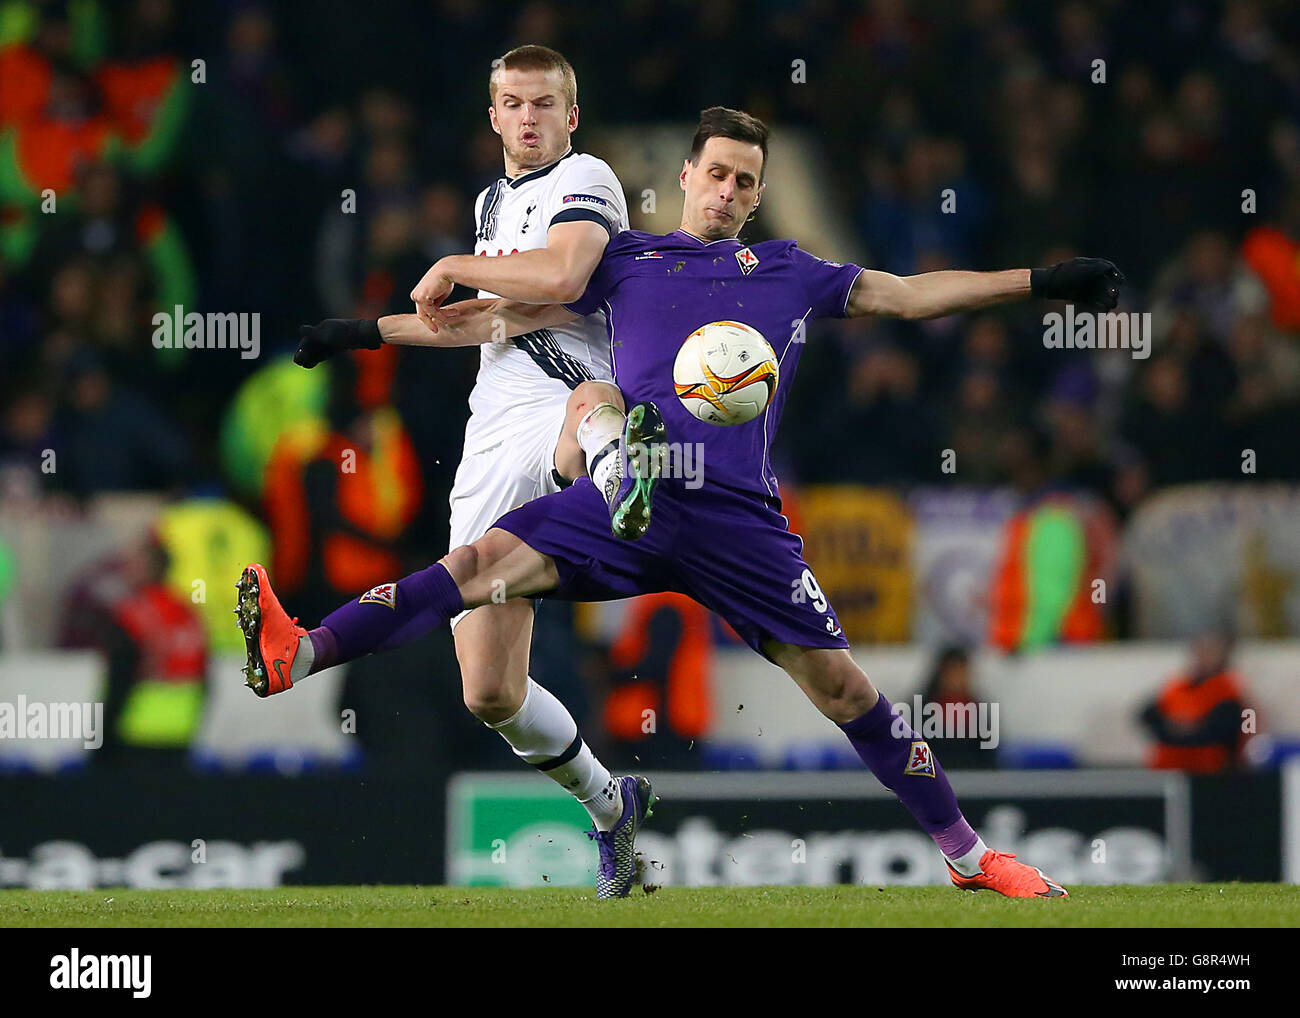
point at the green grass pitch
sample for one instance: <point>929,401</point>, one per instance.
<point>1169,905</point>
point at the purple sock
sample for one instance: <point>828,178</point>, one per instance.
<point>386,616</point>
<point>903,763</point>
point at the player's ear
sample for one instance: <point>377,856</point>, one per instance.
<point>492,119</point>
<point>573,118</point>
<point>686,168</point>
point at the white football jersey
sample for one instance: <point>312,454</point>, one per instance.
<point>514,215</point>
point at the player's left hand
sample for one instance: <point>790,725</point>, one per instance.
<point>1092,282</point>
<point>430,292</point>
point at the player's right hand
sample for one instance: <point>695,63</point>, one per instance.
<point>429,293</point>
<point>317,343</point>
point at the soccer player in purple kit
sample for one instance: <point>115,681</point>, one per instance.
<point>725,544</point>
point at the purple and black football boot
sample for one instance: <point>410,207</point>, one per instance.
<point>619,866</point>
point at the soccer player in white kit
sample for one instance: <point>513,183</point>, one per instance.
<point>541,230</point>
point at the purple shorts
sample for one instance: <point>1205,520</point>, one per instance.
<point>731,552</point>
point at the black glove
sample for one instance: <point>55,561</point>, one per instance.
<point>321,342</point>
<point>1092,282</point>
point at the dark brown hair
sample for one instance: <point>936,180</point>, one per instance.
<point>721,122</point>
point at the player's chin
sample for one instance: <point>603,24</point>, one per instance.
<point>526,153</point>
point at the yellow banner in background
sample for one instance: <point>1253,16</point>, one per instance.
<point>858,542</point>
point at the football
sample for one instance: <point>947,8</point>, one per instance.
<point>725,373</point>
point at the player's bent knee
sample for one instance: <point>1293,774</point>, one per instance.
<point>470,561</point>
<point>491,701</point>
<point>461,563</point>
<point>844,692</point>
<point>589,394</point>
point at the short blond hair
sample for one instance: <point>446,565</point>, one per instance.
<point>536,58</point>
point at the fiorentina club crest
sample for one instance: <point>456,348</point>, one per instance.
<point>385,594</point>
<point>748,260</point>
<point>920,760</point>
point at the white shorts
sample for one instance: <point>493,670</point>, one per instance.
<point>508,461</point>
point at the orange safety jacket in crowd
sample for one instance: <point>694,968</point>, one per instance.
<point>40,154</point>
<point>135,92</point>
<point>167,632</point>
<point>25,77</point>
<point>1275,257</point>
<point>1185,702</point>
<point>378,499</point>
<point>689,707</point>
<point>1042,586</point>
<point>163,704</point>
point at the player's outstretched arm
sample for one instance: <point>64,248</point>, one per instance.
<point>474,322</point>
<point>1092,282</point>
<point>469,323</point>
<point>551,275</point>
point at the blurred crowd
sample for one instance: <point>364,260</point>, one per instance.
<point>156,156</point>
<point>1181,164</point>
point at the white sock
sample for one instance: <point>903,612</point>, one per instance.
<point>968,865</point>
<point>302,661</point>
<point>598,435</point>
<point>541,732</point>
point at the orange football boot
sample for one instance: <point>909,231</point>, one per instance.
<point>1002,873</point>
<point>270,636</point>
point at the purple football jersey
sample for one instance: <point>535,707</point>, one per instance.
<point>656,290</point>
